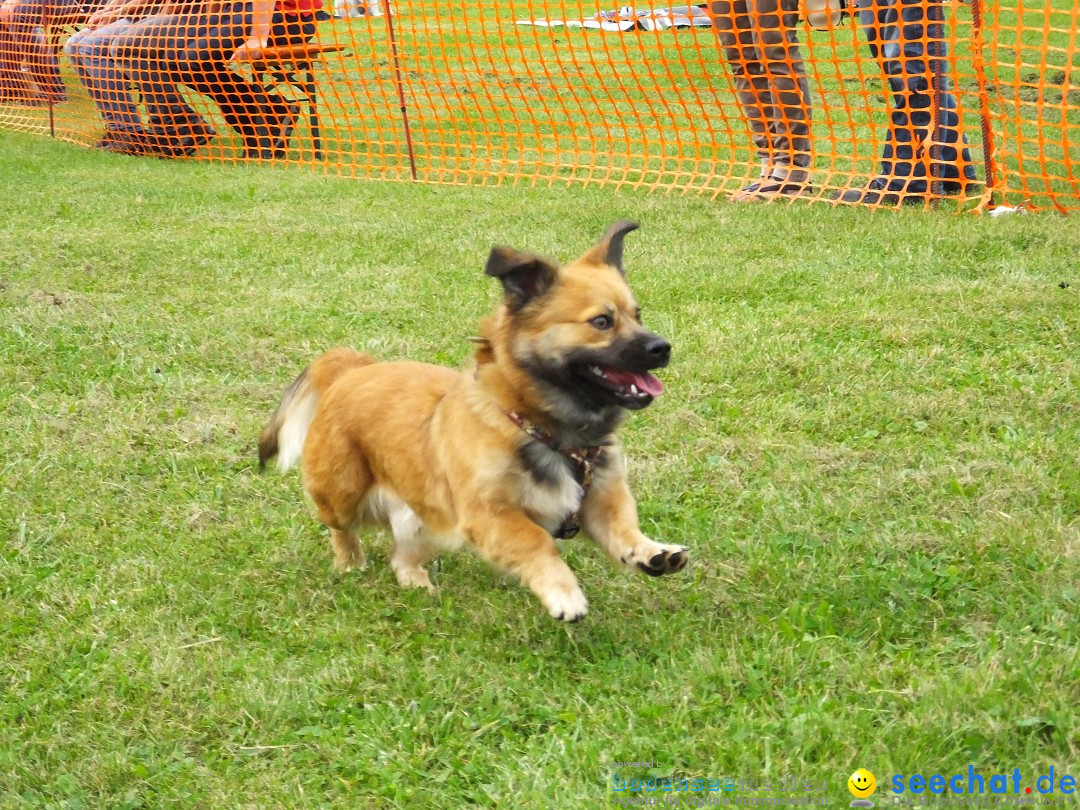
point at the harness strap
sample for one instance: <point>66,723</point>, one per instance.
<point>584,459</point>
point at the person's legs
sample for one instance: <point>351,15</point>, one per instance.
<point>734,30</point>
<point>248,108</point>
<point>896,31</point>
<point>191,49</point>
<point>22,22</point>
<point>146,53</point>
<point>198,61</point>
<point>13,85</point>
<point>263,118</point>
<point>108,87</point>
<point>788,113</point>
<point>758,40</point>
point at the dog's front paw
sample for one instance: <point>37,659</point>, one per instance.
<point>659,560</point>
<point>567,604</point>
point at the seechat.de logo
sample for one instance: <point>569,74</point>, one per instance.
<point>972,783</point>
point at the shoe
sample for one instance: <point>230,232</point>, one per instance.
<point>196,132</point>
<point>892,191</point>
<point>746,192</point>
<point>259,153</point>
<point>771,188</point>
<point>876,192</point>
<point>182,140</point>
<point>322,15</point>
<point>122,142</point>
<point>169,143</point>
<point>24,99</point>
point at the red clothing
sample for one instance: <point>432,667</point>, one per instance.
<point>298,6</point>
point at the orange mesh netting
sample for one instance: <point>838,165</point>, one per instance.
<point>966,103</point>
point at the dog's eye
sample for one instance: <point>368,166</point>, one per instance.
<point>603,322</point>
<point>637,314</point>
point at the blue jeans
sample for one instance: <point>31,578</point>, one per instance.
<point>895,30</point>
<point>107,84</point>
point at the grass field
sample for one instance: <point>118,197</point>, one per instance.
<point>869,440</point>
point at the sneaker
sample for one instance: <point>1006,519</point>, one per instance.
<point>745,193</point>
<point>169,144</point>
<point>197,131</point>
<point>771,189</point>
<point>878,191</point>
<point>893,191</point>
<point>122,142</point>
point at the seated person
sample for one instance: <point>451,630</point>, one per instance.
<point>23,41</point>
<point>13,86</point>
<point>110,90</point>
<point>194,46</point>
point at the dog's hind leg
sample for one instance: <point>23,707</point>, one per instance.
<point>339,482</point>
<point>412,550</point>
<point>341,515</point>
<point>348,553</point>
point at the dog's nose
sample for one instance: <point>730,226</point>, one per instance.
<point>657,350</point>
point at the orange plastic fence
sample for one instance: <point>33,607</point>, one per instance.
<point>963,104</point>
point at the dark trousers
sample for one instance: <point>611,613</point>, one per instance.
<point>161,52</point>
<point>22,40</point>
<point>895,31</point>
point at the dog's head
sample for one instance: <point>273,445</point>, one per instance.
<point>576,331</point>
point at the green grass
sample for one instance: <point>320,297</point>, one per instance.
<point>868,439</point>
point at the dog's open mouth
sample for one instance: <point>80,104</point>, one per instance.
<point>632,389</point>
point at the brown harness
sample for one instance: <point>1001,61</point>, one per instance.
<point>584,459</point>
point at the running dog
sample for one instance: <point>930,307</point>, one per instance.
<point>504,457</point>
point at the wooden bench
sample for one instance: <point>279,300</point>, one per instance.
<point>293,66</point>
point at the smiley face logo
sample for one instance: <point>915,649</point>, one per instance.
<point>862,784</point>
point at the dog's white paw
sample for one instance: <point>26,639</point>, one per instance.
<point>565,603</point>
<point>414,578</point>
<point>656,559</point>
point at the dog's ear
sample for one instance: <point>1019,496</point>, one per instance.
<point>524,276</point>
<point>609,249</point>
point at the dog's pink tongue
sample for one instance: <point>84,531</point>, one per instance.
<point>650,384</point>
<point>646,382</point>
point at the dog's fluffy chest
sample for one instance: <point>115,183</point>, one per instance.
<point>551,492</point>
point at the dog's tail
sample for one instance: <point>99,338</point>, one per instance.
<point>284,434</point>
